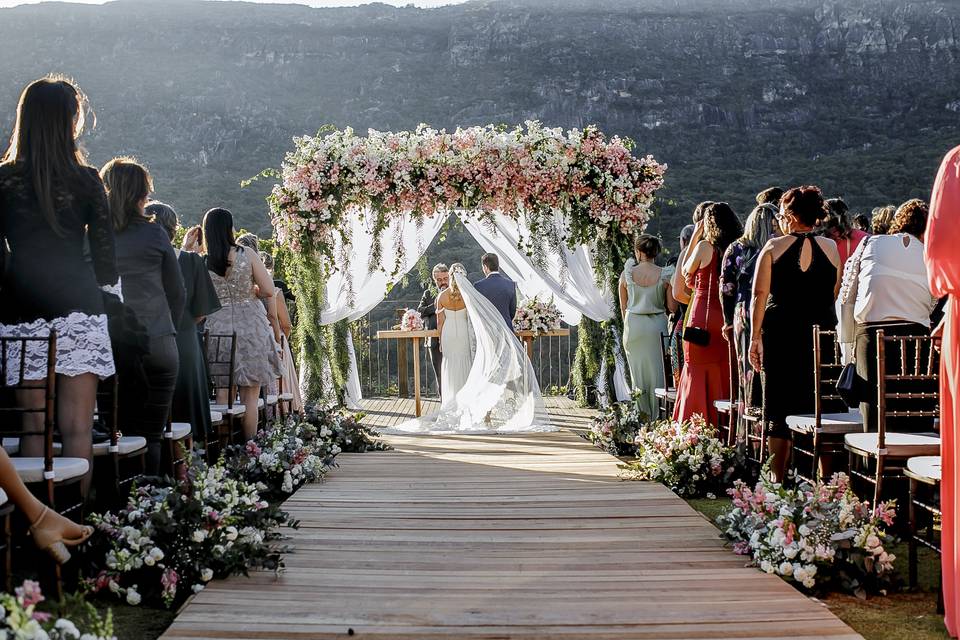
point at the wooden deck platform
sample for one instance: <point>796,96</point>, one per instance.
<point>500,537</point>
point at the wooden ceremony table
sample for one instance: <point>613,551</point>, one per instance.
<point>527,337</point>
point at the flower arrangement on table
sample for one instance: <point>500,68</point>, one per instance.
<point>411,321</point>
<point>76,619</point>
<point>615,428</point>
<point>818,536</point>
<point>686,456</point>
<point>171,540</point>
<point>537,316</point>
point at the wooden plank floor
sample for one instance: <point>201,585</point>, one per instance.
<point>529,536</point>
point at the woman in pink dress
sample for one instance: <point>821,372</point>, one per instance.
<point>943,269</point>
<point>706,372</point>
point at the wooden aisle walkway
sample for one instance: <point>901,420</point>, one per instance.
<point>529,536</point>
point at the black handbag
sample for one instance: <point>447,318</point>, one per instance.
<point>851,388</point>
<point>699,335</point>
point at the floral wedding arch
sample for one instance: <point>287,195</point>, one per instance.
<point>341,197</point>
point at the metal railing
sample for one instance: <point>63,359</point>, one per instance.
<point>386,366</point>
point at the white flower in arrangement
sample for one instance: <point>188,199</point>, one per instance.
<point>133,598</point>
<point>197,588</point>
<point>206,575</point>
<point>231,533</point>
<point>200,535</point>
<point>785,569</point>
<point>67,628</point>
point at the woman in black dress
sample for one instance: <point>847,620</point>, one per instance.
<point>191,398</point>
<point>796,286</point>
<point>153,288</point>
<point>50,201</point>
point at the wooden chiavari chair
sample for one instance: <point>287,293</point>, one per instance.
<point>667,395</point>
<point>924,474</point>
<point>908,399</point>
<point>821,433</point>
<point>727,409</point>
<point>755,431</point>
<point>220,350</point>
<point>123,457</point>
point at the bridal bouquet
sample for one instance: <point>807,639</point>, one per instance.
<point>412,321</point>
<point>685,456</point>
<point>814,535</point>
<point>537,316</point>
<point>23,620</point>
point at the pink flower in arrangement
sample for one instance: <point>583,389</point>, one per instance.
<point>29,593</point>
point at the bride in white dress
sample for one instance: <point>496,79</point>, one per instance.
<point>489,385</point>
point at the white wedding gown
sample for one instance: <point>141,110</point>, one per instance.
<point>499,393</point>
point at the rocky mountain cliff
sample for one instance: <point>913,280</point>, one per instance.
<point>859,96</point>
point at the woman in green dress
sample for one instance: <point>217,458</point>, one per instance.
<point>191,399</point>
<point>645,299</point>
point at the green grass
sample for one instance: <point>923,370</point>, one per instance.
<point>906,614</point>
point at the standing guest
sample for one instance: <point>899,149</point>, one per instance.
<point>882,219</point>
<point>428,311</point>
<point>681,292</point>
<point>706,372</point>
<point>250,241</point>
<point>795,288</point>
<point>677,317</point>
<point>836,226</point>
<point>291,383</point>
<point>885,287</point>
<point>50,201</point>
<point>943,268</point>
<point>861,221</point>
<point>736,289</point>
<point>191,397</point>
<point>644,301</point>
<point>239,278</point>
<point>770,196</point>
<point>153,288</point>
<point>500,290</point>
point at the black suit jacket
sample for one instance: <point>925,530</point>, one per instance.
<point>428,311</point>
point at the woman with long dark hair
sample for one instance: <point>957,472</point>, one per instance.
<point>795,288</point>
<point>191,397</point>
<point>50,201</point>
<point>240,278</point>
<point>154,289</point>
<point>706,372</point>
<point>838,227</point>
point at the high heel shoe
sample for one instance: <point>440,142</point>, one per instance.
<point>53,542</point>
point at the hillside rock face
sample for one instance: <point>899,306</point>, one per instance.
<point>857,95</point>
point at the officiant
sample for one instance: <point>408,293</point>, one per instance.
<point>428,311</point>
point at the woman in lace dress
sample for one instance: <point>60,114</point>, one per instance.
<point>239,277</point>
<point>49,202</point>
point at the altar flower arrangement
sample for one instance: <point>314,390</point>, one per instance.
<point>281,458</point>
<point>412,321</point>
<point>341,432</point>
<point>171,539</point>
<point>537,315</point>
<point>615,428</point>
<point>22,618</point>
<point>686,456</point>
<point>819,536</point>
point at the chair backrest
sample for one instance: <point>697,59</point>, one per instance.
<point>666,361</point>
<point>220,349</point>
<point>108,406</point>
<point>908,384</point>
<point>827,367</point>
<point>28,398</point>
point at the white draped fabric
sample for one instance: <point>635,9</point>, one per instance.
<point>568,278</point>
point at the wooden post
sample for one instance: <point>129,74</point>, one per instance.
<point>403,389</point>
<point>416,376</point>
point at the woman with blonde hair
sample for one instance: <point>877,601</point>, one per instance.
<point>153,288</point>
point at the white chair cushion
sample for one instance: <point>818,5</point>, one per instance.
<point>125,446</point>
<point>216,417</point>
<point>925,467</point>
<point>272,399</point>
<point>898,445</point>
<point>181,430</point>
<point>3,497</point>
<point>236,410</point>
<point>723,406</point>
<point>668,394</point>
<point>259,403</point>
<point>31,469</point>
<point>12,446</point>
<point>286,396</point>
<point>849,422</point>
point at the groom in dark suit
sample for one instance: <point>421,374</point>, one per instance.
<point>428,311</point>
<point>498,288</point>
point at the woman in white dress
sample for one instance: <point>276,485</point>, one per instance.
<point>453,324</point>
<point>499,391</point>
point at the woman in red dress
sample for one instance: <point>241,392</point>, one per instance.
<point>942,245</point>
<point>706,372</point>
